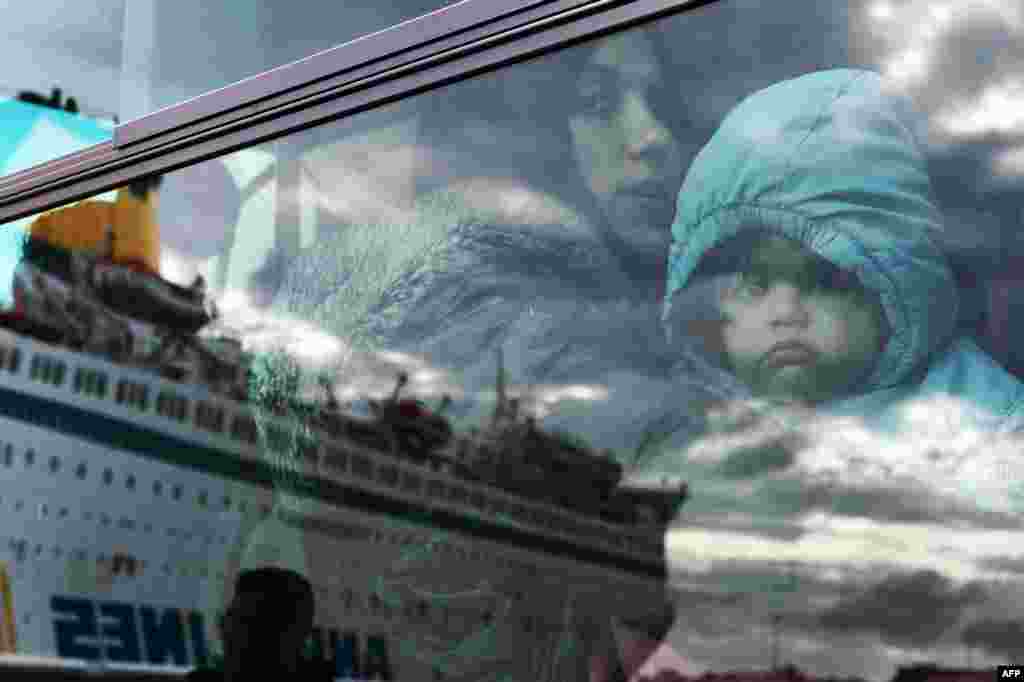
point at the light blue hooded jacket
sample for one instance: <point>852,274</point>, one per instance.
<point>830,159</point>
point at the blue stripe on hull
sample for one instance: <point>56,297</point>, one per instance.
<point>124,435</point>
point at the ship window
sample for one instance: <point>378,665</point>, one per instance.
<point>244,428</point>
<point>176,491</point>
<point>47,369</point>
<point>157,488</point>
<point>54,464</point>
<point>90,381</point>
<point>210,417</point>
<point>388,475</point>
<point>30,457</point>
<point>81,470</point>
<point>108,476</point>
<point>362,466</point>
<point>8,455</point>
<point>202,499</point>
<point>131,393</point>
<point>14,359</point>
<point>411,482</point>
<point>130,482</point>
<point>171,405</point>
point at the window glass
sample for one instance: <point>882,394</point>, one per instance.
<point>69,98</point>
<point>734,292</point>
<point>226,46</point>
<point>98,63</point>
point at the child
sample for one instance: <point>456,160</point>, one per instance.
<point>803,257</point>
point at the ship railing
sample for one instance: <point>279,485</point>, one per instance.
<point>144,392</point>
<point>437,488</point>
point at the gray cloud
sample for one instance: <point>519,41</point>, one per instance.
<point>1001,637</point>
<point>752,524</point>
<point>776,454</point>
<point>975,45</point>
<point>894,608</point>
<point>901,503</point>
<point>90,32</point>
<point>773,464</point>
<point>1007,564</point>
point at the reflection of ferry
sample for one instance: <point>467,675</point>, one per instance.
<point>139,467</point>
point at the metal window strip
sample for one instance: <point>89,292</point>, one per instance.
<point>107,165</point>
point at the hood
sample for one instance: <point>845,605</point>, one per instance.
<point>830,160</point>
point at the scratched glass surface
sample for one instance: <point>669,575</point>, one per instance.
<point>452,360</point>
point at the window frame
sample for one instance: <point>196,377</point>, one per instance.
<point>427,52</point>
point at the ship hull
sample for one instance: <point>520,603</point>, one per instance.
<point>124,529</point>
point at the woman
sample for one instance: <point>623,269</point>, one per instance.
<point>566,281</point>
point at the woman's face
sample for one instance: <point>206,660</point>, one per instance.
<point>629,159</point>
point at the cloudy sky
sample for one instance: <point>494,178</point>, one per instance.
<point>900,551</point>
<point>872,551</point>
<point>124,57</point>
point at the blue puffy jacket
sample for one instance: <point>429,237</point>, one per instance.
<point>831,160</point>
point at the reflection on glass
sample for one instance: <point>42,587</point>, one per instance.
<point>67,99</point>
<point>38,129</point>
<point>161,70</point>
<point>468,355</point>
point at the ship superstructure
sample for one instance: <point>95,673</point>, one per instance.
<point>142,461</point>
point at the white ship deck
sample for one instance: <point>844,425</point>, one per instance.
<point>128,497</point>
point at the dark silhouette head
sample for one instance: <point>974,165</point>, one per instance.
<point>267,623</point>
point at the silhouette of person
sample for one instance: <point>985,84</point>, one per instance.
<point>265,627</point>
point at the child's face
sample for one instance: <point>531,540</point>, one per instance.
<point>797,327</point>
